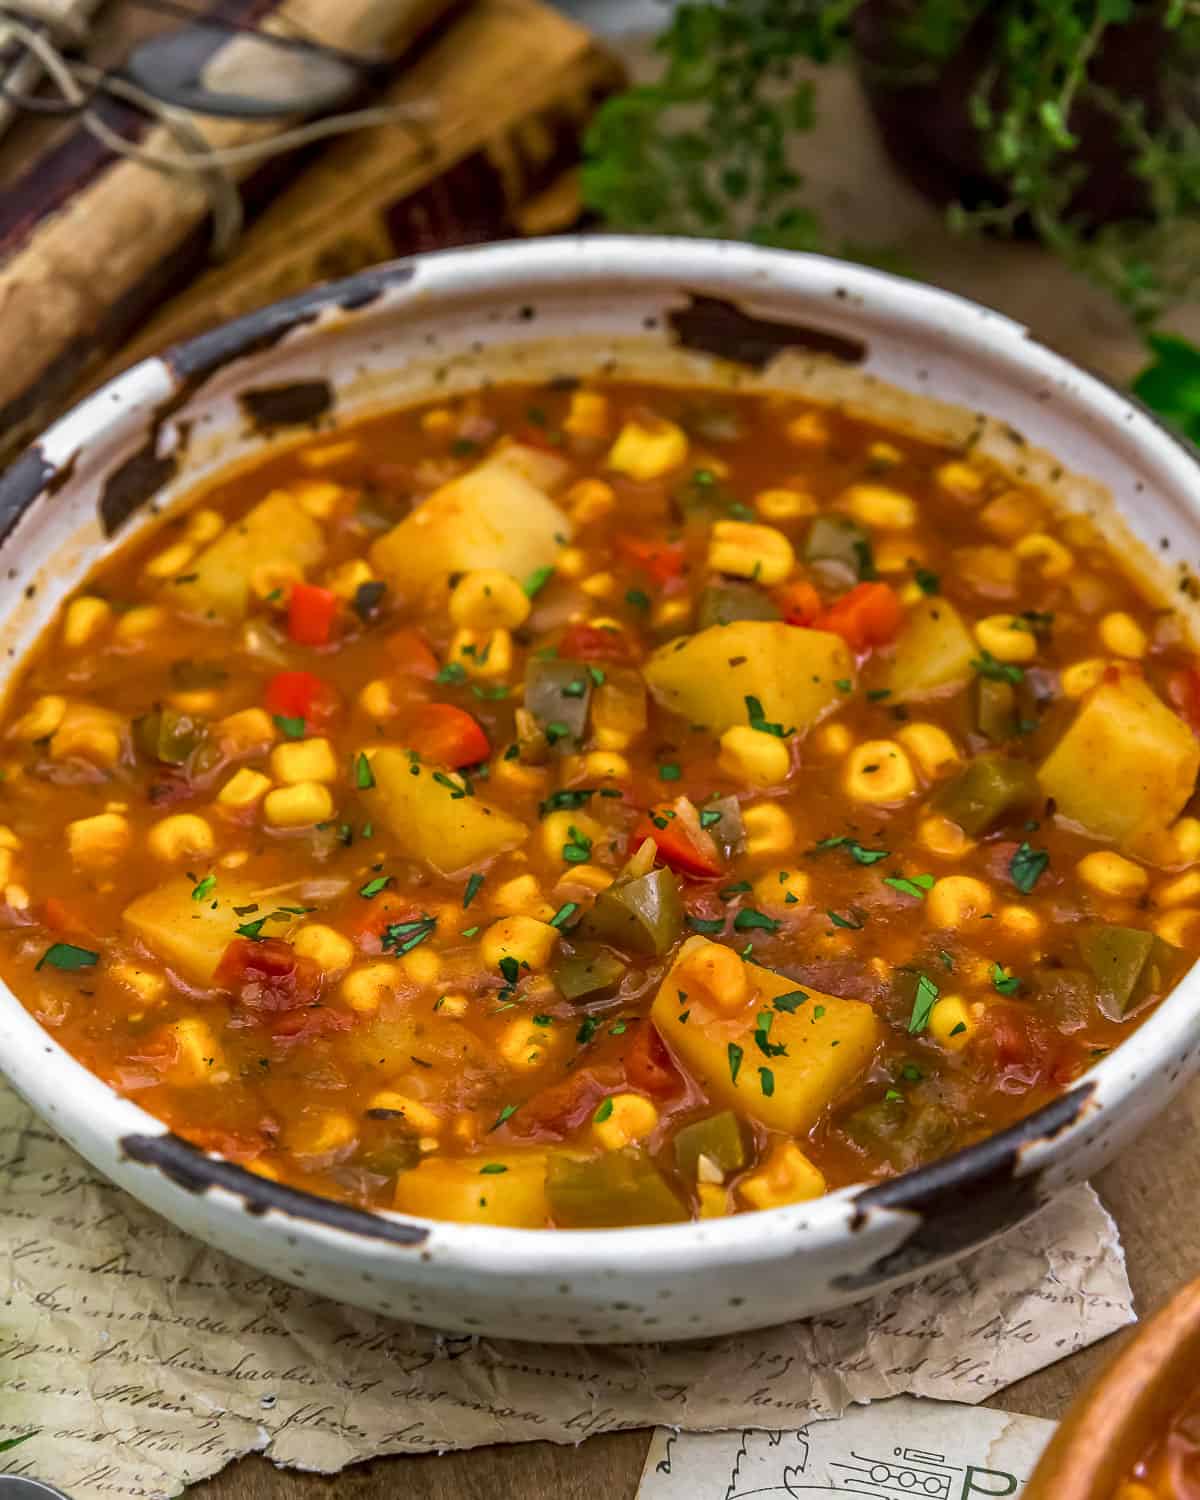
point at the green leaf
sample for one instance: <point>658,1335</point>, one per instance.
<point>204,887</point>
<point>291,728</point>
<point>538,580</point>
<point>68,958</point>
<point>1027,867</point>
<point>603,1111</point>
<point>364,777</point>
<point>1003,982</point>
<point>917,886</point>
<point>735,1055</point>
<point>923,1003</point>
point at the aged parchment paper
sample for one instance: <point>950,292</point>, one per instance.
<point>146,1361</point>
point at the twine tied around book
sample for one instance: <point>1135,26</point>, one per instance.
<point>43,30</point>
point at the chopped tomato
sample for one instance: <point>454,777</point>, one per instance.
<point>411,654</point>
<point>311,613</point>
<point>311,1020</point>
<point>267,977</point>
<point>869,615</point>
<point>59,917</point>
<point>582,642</point>
<point>1026,1051</point>
<point>302,695</point>
<point>799,602</point>
<point>234,1145</point>
<point>447,736</point>
<point>682,843</point>
<point>648,1064</point>
<point>553,1112</point>
<point>660,561</point>
<point>378,915</point>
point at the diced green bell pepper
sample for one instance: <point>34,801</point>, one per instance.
<point>1129,964</point>
<point>995,708</point>
<point>724,1139</point>
<point>558,695</point>
<point>985,791</point>
<point>589,972</point>
<point>905,1134</point>
<point>642,915</point>
<point>167,736</point>
<point>610,1191</point>
<point>721,603</point>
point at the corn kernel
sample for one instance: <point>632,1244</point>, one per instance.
<point>243,789</point>
<point>784,505</point>
<point>1019,921</point>
<point>951,1022</point>
<point>423,1119</point>
<point>956,900</point>
<point>347,578</point>
<point>204,525</point>
<point>878,506</point>
<point>91,733</point>
<point>523,1045</point>
<point>98,841</point>
<point>171,561</point>
<point>522,897</point>
<point>833,740</point>
<point>748,550</point>
<point>148,985</point>
<point>17,897</point>
<point>1180,927</point>
<point>787,1176</point>
<point>273,581</point>
<point>898,554</point>
<point>524,938</point>
<point>931,747</point>
<point>960,480</point>
<point>627,1118</point>
<point>879,772</point>
<point>571,563</point>
<point>885,455</point>
<point>181,836</point>
<point>599,585</point>
<point>319,497</point>
<point>591,877</point>
<point>304,760</point>
<point>85,618</point>
<point>487,599</point>
<point>40,719</point>
<point>769,829</point>
<point>590,500</point>
<point>606,765</point>
<point>1185,840</point>
<point>781,888</point>
<point>1006,637</point>
<point>330,1132</point>
<point>809,429</point>
<point>249,729</point>
<point>1082,676</point>
<point>566,827</point>
<point>1112,875</point>
<point>365,989</point>
<point>136,624</point>
<point>198,1055</point>
<point>328,455</point>
<point>328,948</point>
<point>648,450</point>
<point>439,420</point>
<point>1121,635</point>
<point>482,653</point>
<point>713,976</point>
<point>754,758</point>
<point>672,614</point>
<point>714,1200</point>
<point>376,701</point>
<point>422,967</point>
<point>1054,560</point>
<point>7,866</point>
<point>1011,514</point>
<point>298,806</point>
<point>587,415</point>
<point>1134,1489</point>
<point>519,777</point>
<point>1178,890</point>
<point>201,701</point>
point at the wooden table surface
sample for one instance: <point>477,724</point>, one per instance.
<point>1153,1188</point>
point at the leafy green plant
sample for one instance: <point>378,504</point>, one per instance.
<point>705,148</point>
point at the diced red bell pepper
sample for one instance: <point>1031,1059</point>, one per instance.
<point>555,1111</point>
<point>302,695</point>
<point>682,843</point>
<point>311,613</point>
<point>581,642</point>
<point>869,615</point>
<point>798,602</point>
<point>648,1064</point>
<point>411,654</point>
<point>447,736</point>
<point>661,561</point>
<point>267,977</point>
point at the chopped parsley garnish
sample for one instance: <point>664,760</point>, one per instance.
<point>735,1055</point>
<point>762,1036</point>
<point>959,1029</point>
<point>403,937</point>
<point>893,1096</point>
<point>68,958</point>
<point>853,921</point>
<point>705,924</point>
<point>578,849</point>
<point>543,1020</point>
<point>669,772</point>
<point>750,918</point>
<point>843,684</point>
<point>364,777</point>
<point>758,720</point>
<point>766,1080</point>
<point>474,886</point>
<point>728,891</point>
<point>927,582</point>
<point>789,1002</point>
<point>877,695</point>
<point>637,599</point>
<point>852,847</point>
<point>457,789</point>
<point>587,1030</point>
<point>923,1003</point>
<point>564,914</point>
<point>492,1169</point>
<point>946,958</point>
<point>916,886</point>
<point>597,675</point>
<point>604,1111</point>
<point>709,818</point>
<point>999,671</point>
<point>556,730</point>
<point>575,688</point>
<point>453,671</point>
<point>291,728</point>
<point>204,887</point>
<point>505,1114</point>
<point>571,798</point>
<point>373,887</point>
<point>251,930</point>
<point>1027,867</point>
<point>538,580</point>
<point>1003,982</point>
<point>510,969</point>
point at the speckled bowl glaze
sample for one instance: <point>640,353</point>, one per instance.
<point>676,311</point>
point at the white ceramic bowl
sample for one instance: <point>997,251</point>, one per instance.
<point>667,309</point>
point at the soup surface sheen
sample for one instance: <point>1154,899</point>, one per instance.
<point>1170,1468</point>
<point>600,805</point>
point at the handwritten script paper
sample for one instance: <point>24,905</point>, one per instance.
<point>938,1450</point>
<point>146,1361</point>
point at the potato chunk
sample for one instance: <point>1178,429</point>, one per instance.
<point>473,1191</point>
<point>277,533</point>
<point>933,654</point>
<point>793,673</point>
<point>1125,767</point>
<point>497,515</point>
<point>188,935</point>
<point>829,1043</point>
<point>428,822</point>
